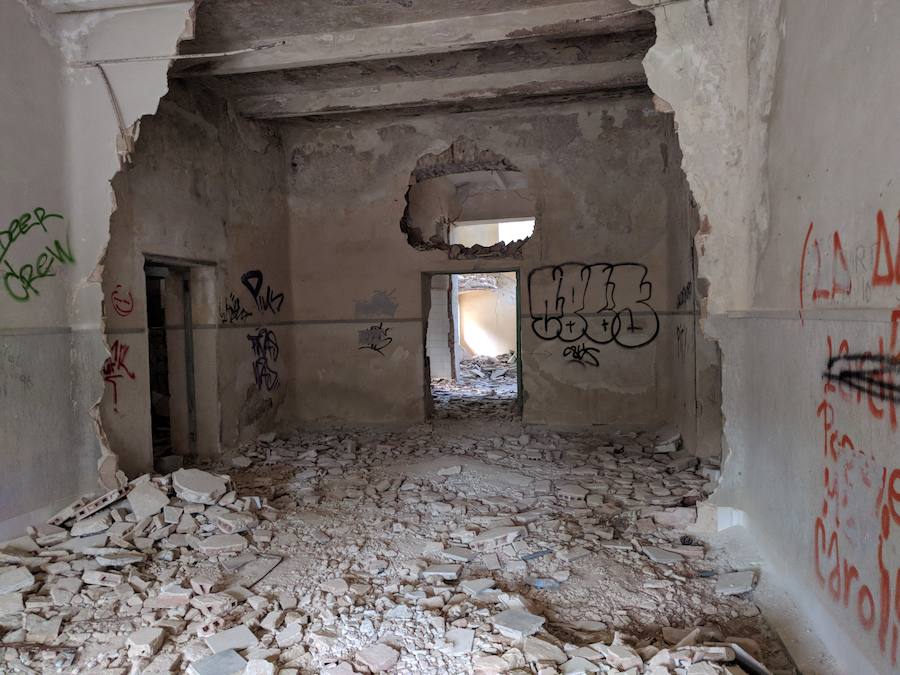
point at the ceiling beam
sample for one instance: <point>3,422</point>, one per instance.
<point>68,6</point>
<point>421,38</point>
<point>469,89</point>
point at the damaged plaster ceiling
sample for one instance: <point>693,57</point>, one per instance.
<point>324,57</point>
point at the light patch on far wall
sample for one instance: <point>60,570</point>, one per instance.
<point>515,230</point>
<point>490,232</point>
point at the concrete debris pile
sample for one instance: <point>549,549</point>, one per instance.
<point>500,369</point>
<point>485,387</point>
<point>415,552</point>
<point>126,558</point>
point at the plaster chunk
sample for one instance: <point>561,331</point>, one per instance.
<point>537,650</point>
<point>146,641</point>
<point>517,623</point>
<point>222,543</point>
<point>146,500</point>
<point>15,579</point>
<point>11,603</point>
<point>497,537</point>
<point>735,583</point>
<point>224,663</point>
<point>378,658</point>
<point>579,666</point>
<point>199,487</point>
<point>237,638</point>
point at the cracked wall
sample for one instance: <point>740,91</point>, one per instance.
<point>60,133</point>
<point>607,188</point>
<point>205,192</point>
<point>800,232</point>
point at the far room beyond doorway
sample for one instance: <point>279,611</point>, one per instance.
<point>473,331</point>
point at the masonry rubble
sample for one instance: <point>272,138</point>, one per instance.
<point>390,562</point>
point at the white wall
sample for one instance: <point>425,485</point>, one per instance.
<point>58,139</point>
<point>807,91</point>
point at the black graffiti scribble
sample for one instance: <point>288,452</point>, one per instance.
<point>681,342</point>
<point>582,355</point>
<point>375,338</point>
<point>872,374</point>
<point>268,300</point>
<point>684,294</point>
<point>265,347</point>
<point>602,303</point>
<point>233,310</point>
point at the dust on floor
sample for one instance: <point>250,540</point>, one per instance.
<point>448,551</point>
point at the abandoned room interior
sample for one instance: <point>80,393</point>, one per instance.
<point>414,336</point>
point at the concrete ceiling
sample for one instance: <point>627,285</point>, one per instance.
<point>324,57</point>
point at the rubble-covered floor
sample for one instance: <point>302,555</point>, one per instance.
<point>486,387</point>
<point>423,552</point>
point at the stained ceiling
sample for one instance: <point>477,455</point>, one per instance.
<point>307,58</point>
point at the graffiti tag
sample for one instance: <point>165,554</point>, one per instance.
<point>233,310</point>
<point>603,303</point>
<point>115,368</point>
<point>375,337</point>
<point>122,301</point>
<point>267,300</point>
<point>19,281</point>
<point>265,352</point>
<point>582,355</point>
<point>685,294</point>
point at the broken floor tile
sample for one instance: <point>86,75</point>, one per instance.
<point>460,641</point>
<point>14,579</point>
<point>146,641</point>
<point>147,500</point>
<point>196,486</point>
<point>661,556</point>
<point>335,586</point>
<point>578,666</point>
<point>222,543</point>
<point>536,650</point>
<point>224,663</point>
<point>735,583</point>
<point>476,586</point>
<point>447,572</point>
<point>237,638</point>
<point>517,623</point>
<point>496,537</point>
<point>378,658</point>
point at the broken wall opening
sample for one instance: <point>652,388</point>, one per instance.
<point>469,202</point>
<point>219,236</point>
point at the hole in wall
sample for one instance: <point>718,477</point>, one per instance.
<point>469,202</point>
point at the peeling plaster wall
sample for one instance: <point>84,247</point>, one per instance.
<point>608,189</point>
<point>58,134</point>
<point>800,271</point>
<point>205,186</point>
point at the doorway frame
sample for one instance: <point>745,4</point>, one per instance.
<point>191,284</point>
<point>425,289</point>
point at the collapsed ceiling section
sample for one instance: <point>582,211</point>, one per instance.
<point>281,59</point>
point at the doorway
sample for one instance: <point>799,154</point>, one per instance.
<point>170,328</point>
<point>472,362</point>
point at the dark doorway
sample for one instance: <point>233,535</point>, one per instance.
<point>171,354</point>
